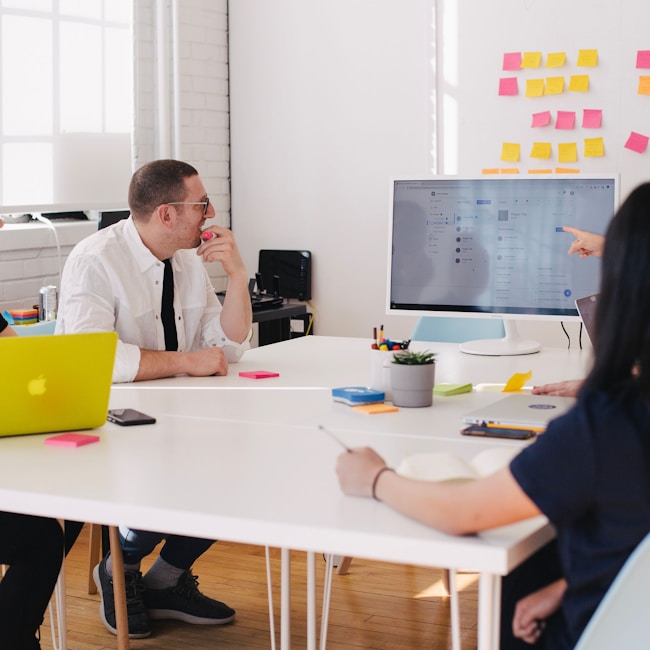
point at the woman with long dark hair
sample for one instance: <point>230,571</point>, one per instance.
<point>589,473</point>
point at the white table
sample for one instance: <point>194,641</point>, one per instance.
<point>250,465</point>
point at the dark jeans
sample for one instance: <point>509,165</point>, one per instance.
<point>179,551</point>
<point>536,572</point>
<point>33,549</point>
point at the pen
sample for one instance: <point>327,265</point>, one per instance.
<point>494,425</point>
<point>333,437</point>
<point>381,333</point>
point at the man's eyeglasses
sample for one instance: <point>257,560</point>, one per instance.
<point>205,203</point>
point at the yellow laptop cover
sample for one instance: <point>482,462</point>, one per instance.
<point>55,383</point>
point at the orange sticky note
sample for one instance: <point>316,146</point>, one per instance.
<point>644,85</point>
<point>509,170</point>
<point>541,150</point>
<point>540,171</point>
<point>567,152</point>
<point>588,58</point>
<point>510,152</point>
<point>517,381</point>
<point>372,409</point>
<point>579,83</point>
<point>534,88</point>
<point>554,86</point>
<point>594,147</point>
<point>491,170</point>
<point>566,170</point>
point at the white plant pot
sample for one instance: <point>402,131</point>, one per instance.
<point>412,385</point>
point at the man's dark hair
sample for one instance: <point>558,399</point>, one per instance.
<point>155,183</point>
<point>622,321</point>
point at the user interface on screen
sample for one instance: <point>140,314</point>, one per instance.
<point>495,245</point>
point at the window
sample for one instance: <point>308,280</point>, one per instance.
<point>66,103</point>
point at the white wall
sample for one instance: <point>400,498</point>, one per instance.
<point>328,100</point>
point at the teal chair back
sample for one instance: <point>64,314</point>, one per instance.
<point>621,620</point>
<point>457,330</point>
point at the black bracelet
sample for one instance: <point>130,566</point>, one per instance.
<point>377,475</point>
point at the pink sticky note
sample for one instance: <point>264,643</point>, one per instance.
<point>643,59</point>
<point>512,61</point>
<point>565,120</point>
<point>71,439</point>
<point>542,119</point>
<point>592,118</point>
<point>258,374</point>
<point>508,86</point>
<point>637,142</point>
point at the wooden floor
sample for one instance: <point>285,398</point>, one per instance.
<point>375,606</point>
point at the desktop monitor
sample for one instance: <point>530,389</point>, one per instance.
<point>494,247</point>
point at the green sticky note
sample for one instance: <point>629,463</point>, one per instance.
<point>451,389</point>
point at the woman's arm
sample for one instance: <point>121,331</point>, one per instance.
<point>453,507</point>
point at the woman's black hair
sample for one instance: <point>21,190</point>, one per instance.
<point>622,321</point>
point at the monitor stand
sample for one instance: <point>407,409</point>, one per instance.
<point>512,344</point>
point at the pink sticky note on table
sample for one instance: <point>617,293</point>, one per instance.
<point>71,439</point>
<point>542,119</point>
<point>258,374</point>
<point>512,61</point>
<point>592,118</point>
<point>643,59</point>
<point>565,120</point>
<point>637,142</point>
<point>508,86</point>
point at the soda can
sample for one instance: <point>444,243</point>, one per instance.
<point>47,302</point>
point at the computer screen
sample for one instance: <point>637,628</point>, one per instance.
<point>494,247</point>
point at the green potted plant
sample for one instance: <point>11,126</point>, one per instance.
<point>412,375</point>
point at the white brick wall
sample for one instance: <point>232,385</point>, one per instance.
<point>205,143</point>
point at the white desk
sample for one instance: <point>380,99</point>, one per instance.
<point>272,471</point>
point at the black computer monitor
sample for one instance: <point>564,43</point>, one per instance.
<point>110,217</point>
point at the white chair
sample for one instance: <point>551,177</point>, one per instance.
<point>621,620</point>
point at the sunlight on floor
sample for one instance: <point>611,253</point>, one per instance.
<point>437,589</point>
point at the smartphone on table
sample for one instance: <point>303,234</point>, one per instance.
<point>129,417</point>
<point>498,432</point>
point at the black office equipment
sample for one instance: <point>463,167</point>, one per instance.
<point>293,271</point>
<point>110,217</point>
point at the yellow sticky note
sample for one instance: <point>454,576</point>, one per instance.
<point>644,85</point>
<point>517,381</point>
<point>567,152</point>
<point>534,87</point>
<point>554,86</point>
<point>579,83</point>
<point>588,58</point>
<point>531,60</point>
<point>541,150</point>
<point>555,59</point>
<point>510,152</point>
<point>594,147</point>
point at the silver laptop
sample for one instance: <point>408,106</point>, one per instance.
<point>587,309</point>
<point>521,411</point>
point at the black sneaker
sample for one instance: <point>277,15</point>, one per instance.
<point>184,602</point>
<point>138,618</point>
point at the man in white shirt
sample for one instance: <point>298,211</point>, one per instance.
<point>144,278</point>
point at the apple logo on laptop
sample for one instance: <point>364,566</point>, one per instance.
<point>36,387</point>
